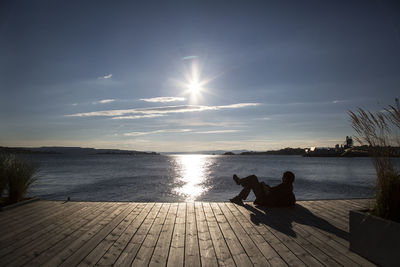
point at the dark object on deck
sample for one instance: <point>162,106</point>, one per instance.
<point>375,238</point>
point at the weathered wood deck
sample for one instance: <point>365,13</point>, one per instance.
<point>53,233</point>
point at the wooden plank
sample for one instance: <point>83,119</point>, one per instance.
<point>110,257</point>
<point>237,251</point>
<point>316,248</point>
<point>86,233</point>
<point>149,243</point>
<point>99,236</point>
<point>32,235</point>
<point>222,252</point>
<point>106,243</point>
<point>160,254</point>
<point>360,203</point>
<point>266,249</point>
<point>42,216</point>
<point>35,248</point>
<point>247,243</point>
<point>326,241</point>
<point>129,253</point>
<point>13,215</point>
<point>192,252</point>
<point>177,251</point>
<point>355,205</point>
<point>257,219</point>
<point>70,232</point>
<point>337,218</point>
<point>322,224</point>
<point>283,230</point>
<point>18,220</point>
<point>334,241</point>
<point>207,253</point>
<point>323,213</point>
<point>341,210</point>
<point>190,234</point>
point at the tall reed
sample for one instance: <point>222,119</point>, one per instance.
<point>19,174</point>
<point>380,130</point>
<point>3,179</point>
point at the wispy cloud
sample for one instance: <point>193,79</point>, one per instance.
<point>160,110</point>
<point>189,57</point>
<point>163,99</point>
<point>108,76</point>
<point>217,131</point>
<point>262,119</point>
<point>104,101</point>
<point>199,123</point>
<point>135,117</point>
<point>157,131</point>
<point>338,101</point>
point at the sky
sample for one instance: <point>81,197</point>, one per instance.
<point>175,76</point>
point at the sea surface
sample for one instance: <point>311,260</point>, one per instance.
<point>169,178</point>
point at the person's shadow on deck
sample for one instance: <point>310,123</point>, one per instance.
<point>281,219</point>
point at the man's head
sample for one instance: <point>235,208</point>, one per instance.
<point>288,177</point>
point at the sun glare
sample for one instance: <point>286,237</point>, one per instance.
<point>194,87</point>
<point>194,84</point>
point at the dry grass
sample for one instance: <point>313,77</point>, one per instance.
<point>17,175</point>
<point>3,179</point>
<point>380,130</point>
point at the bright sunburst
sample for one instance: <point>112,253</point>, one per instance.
<point>194,87</point>
<point>193,84</point>
<point>193,80</point>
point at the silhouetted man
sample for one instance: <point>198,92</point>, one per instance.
<point>277,196</point>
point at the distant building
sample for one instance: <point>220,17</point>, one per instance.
<point>349,142</point>
<point>329,151</point>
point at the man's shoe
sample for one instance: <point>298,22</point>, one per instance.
<point>236,179</point>
<point>237,200</point>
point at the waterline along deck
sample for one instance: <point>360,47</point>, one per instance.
<point>55,233</point>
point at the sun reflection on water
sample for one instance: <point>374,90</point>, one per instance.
<point>193,170</point>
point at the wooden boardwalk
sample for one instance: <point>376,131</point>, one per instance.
<point>54,233</point>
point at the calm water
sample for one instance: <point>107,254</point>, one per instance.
<point>195,177</point>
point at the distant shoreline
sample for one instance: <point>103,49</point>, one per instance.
<point>360,151</point>
<point>72,151</point>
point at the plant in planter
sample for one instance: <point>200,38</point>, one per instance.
<point>3,180</point>
<point>18,174</point>
<point>380,131</point>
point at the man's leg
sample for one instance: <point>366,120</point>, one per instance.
<point>250,183</point>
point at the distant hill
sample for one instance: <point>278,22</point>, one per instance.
<point>71,151</point>
<point>284,151</point>
<point>206,152</point>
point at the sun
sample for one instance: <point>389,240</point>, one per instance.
<point>194,87</point>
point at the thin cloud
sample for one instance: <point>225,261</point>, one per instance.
<point>108,76</point>
<point>338,101</point>
<point>217,131</point>
<point>157,131</point>
<point>188,57</point>
<point>262,119</point>
<point>104,101</point>
<point>163,99</point>
<point>160,110</point>
<point>135,117</point>
<point>195,123</point>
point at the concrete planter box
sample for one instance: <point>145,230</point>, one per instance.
<point>374,238</point>
<point>23,202</point>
